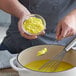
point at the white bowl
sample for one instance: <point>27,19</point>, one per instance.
<point>29,55</point>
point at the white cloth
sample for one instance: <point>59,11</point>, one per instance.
<point>5,57</point>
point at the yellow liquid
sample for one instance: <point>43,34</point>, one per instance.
<point>35,65</point>
<point>33,25</point>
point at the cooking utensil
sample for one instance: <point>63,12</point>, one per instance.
<point>55,61</point>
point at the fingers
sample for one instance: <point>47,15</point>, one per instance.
<point>28,36</point>
<point>69,33</point>
<point>58,31</point>
<point>42,33</point>
<point>63,30</point>
<point>32,36</point>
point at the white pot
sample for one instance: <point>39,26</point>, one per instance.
<point>29,55</point>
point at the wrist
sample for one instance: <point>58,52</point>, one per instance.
<point>24,14</point>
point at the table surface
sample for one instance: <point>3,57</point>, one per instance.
<point>8,72</point>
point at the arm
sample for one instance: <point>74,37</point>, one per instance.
<point>67,25</point>
<point>14,7</point>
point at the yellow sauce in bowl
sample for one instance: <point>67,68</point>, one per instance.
<point>33,25</point>
<point>35,65</point>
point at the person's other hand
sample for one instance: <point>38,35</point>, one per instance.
<point>23,34</point>
<point>67,26</point>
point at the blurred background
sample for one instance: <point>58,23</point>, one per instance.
<point>5,20</point>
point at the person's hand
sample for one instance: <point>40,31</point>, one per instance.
<point>67,26</point>
<point>23,34</point>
